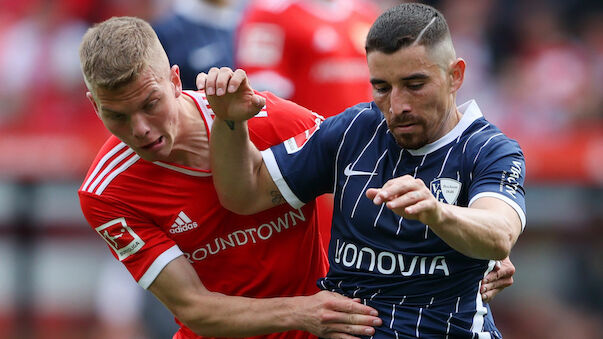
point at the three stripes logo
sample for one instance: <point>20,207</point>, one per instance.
<point>182,224</point>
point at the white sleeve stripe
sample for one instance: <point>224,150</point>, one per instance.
<point>280,182</point>
<point>101,163</point>
<point>157,266</point>
<point>506,199</point>
<point>484,145</point>
<point>115,173</point>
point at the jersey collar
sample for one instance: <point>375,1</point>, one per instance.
<point>470,111</point>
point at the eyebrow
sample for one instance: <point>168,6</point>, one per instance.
<point>415,76</point>
<point>144,103</point>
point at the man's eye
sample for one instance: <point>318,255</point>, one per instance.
<point>152,104</point>
<point>382,89</point>
<point>416,86</point>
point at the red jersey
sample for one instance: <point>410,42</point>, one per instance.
<point>308,51</point>
<point>152,212</point>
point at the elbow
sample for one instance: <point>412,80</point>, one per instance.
<point>502,247</point>
<point>236,205</point>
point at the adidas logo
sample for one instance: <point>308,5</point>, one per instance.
<point>182,224</point>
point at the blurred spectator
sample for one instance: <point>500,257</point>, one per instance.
<point>199,34</point>
<point>311,52</point>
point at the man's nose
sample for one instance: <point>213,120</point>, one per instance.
<point>398,101</point>
<point>140,126</point>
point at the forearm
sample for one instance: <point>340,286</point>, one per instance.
<point>476,232</point>
<point>236,163</point>
<point>227,316</point>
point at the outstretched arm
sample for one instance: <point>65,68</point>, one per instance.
<point>241,179</point>
<point>487,229</point>
<point>325,314</point>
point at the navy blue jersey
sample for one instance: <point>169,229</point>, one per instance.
<point>420,285</point>
<point>198,36</point>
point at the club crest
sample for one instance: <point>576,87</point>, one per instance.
<point>446,190</point>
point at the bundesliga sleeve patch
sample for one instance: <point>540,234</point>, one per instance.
<point>296,143</point>
<point>120,237</point>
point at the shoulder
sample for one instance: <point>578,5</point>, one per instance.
<point>361,114</point>
<point>484,142</point>
<point>113,158</point>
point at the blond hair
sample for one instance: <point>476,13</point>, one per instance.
<point>114,52</point>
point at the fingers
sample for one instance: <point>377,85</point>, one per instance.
<point>497,280</point>
<point>219,81</point>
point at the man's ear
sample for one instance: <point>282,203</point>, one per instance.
<point>175,80</point>
<point>93,102</point>
<point>457,74</point>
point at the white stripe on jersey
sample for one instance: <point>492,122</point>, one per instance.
<point>444,163</point>
<point>361,194</point>
<point>485,143</point>
<point>115,173</point>
<point>109,168</point>
<point>198,173</point>
<point>418,322</point>
<point>471,136</point>
<point>480,309</point>
<point>101,163</point>
<point>341,145</point>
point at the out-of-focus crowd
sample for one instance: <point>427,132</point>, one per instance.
<point>535,68</point>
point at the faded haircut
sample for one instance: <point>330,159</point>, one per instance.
<point>406,25</point>
<point>114,52</point>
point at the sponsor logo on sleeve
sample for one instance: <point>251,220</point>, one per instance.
<point>120,237</point>
<point>446,190</point>
<point>509,179</point>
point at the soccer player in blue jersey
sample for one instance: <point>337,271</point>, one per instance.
<point>428,195</point>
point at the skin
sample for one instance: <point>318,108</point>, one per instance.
<point>152,116</point>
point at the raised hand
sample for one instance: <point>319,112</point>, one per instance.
<point>409,198</point>
<point>229,94</point>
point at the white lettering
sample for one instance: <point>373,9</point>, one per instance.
<point>369,251</point>
<point>392,263</point>
<point>387,262</point>
<point>264,227</point>
<point>345,255</point>
<point>239,237</point>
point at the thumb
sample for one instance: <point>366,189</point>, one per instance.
<point>258,101</point>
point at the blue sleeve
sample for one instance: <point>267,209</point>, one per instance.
<point>303,167</point>
<point>499,171</point>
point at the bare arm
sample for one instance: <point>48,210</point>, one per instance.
<point>206,313</point>
<point>487,229</point>
<point>242,181</point>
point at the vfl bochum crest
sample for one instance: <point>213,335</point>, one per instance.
<point>446,190</point>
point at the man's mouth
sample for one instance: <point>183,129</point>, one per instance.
<point>152,144</point>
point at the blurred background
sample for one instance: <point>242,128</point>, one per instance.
<point>535,68</point>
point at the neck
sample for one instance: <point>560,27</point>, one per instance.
<point>191,146</point>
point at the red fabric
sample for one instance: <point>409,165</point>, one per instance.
<point>274,253</point>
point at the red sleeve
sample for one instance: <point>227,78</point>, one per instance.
<point>133,239</point>
<point>280,120</point>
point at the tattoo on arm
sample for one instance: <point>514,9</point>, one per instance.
<point>230,124</point>
<point>277,198</point>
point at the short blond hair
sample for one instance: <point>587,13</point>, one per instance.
<point>114,52</point>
